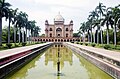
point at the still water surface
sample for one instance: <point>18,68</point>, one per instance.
<point>72,66</point>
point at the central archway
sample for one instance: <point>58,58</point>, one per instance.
<point>59,32</point>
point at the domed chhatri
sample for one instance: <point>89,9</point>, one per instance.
<point>59,17</point>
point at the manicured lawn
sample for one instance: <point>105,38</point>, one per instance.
<point>111,46</point>
<point>4,47</point>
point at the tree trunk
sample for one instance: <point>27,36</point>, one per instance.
<point>101,31</point>
<point>14,33</point>
<point>84,37</point>
<point>91,35</point>
<point>88,37</point>
<point>101,36</point>
<point>23,35</point>
<point>19,34</point>
<point>94,37</point>
<point>115,35</point>
<point>107,35</point>
<point>26,35</point>
<point>97,36</point>
<point>0,30</point>
<point>9,32</point>
<point>29,36</point>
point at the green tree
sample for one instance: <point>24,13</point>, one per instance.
<point>37,30</point>
<point>100,10</point>
<point>5,34</point>
<point>83,30</point>
<point>108,21</point>
<point>92,17</point>
<point>3,13</point>
<point>75,35</point>
<point>10,18</point>
<point>15,13</point>
<point>21,19</point>
<point>116,18</point>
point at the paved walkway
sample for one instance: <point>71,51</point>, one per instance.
<point>9,52</point>
<point>107,53</point>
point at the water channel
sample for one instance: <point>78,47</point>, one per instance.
<point>59,62</point>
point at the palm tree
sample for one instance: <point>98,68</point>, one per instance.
<point>88,29</point>
<point>21,21</point>
<point>29,28</point>
<point>116,18</point>
<point>32,28</point>
<point>92,17</point>
<point>108,21</point>
<point>25,18</point>
<point>10,18</point>
<point>79,34</point>
<point>3,13</point>
<point>37,30</point>
<point>96,23</point>
<point>83,30</point>
<point>15,23</point>
<point>100,9</point>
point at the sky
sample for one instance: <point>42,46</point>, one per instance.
<point>76,10</point>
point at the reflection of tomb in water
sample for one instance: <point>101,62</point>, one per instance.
<point>52,55</point>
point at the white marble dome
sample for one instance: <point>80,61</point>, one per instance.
<point>59,18</point>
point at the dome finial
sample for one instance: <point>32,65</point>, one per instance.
<point>58,17</point>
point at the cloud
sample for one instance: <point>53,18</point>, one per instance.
<point>77,10</point>
<point>74,3</point>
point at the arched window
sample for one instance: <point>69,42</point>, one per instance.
<point>66,29</point>
<point>50,34</point>
<point>58,35</point>
<point>58,29</point>
<point>50,29</point>
<point>66,35</point>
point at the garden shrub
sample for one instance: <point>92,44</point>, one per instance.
<point>37,43</point>
<point>9,45</point>
<point>72,42</point>
<point>81,43</point>
<point>86,44</point>
<point>107,46</point>
<point>16,45</point>
<point>23,44</point>
<point>117,48</point>
<point>93,44</point>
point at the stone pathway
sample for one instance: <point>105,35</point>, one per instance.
<point>9,52</point>
<point>107,53</point>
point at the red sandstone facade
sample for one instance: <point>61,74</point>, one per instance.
<point>58,32</point>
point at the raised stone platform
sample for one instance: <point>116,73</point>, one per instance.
<point>106,60</point>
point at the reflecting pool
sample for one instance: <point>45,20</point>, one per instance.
<point>59,62</point>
